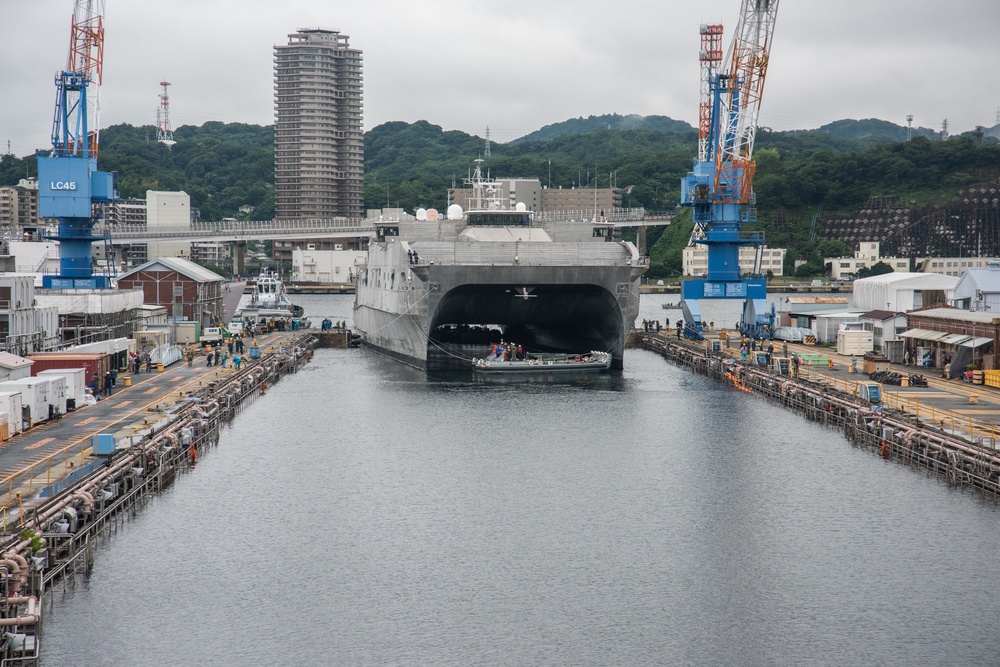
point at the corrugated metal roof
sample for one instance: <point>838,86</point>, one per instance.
<point>986,280</point>
<point>955,339</point>
<point>956,314</point>
<point>817,299</point>
<point>910,280</point>
<point>880,315</point>
<point>977,342</point>
<point>180,265</point>
<point>12,361</point>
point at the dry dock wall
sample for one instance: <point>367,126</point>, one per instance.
<point>53,538</point>
<point>895,436</point>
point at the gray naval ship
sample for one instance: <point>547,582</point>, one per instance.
<point>439,293</point>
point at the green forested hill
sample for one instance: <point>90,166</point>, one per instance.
<point>833,169</point>
<point>222,166</point>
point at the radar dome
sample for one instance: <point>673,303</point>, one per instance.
<point>520,208</point>
<point>432,215</point>
<point>455,212</point>
<point>421,214</point>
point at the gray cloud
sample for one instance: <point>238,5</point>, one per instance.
<point>513,66</point>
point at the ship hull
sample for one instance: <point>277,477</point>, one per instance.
<point>413,313</point>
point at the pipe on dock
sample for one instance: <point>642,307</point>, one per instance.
<point>30,617</point>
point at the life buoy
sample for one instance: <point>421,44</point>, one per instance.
<point>576,358</point>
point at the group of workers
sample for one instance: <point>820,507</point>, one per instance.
<point>329,325</point>
<point>509,352</point>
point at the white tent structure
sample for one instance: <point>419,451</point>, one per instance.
<point>903,292</point>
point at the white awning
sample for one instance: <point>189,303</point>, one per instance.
<point>913,333</point>
<point>924,334</point>
<point>977,342</point>
<point>955,339</point>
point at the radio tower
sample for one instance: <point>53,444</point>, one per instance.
<point>164,134</point>
<point>909,127</point>
<point>944,129</point>
<point>486,153</point>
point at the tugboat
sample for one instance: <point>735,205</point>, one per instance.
<point>268,300</point>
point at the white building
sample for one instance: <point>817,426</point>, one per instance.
<point>886,327</point>
<point>950,266</point>
<point>41,257</point>
<point>866,256</point>
<point>168,209</point>
<point>13,367</point>
<point>326,266</point>
<point>903,292</point>
<point>979,289</point>
<point>695,260</point>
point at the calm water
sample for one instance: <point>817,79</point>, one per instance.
<point>365,514</point>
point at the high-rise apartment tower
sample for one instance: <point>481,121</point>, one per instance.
<point>318,138</point>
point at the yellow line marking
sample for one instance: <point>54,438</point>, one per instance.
<point>137,413</point>
<point>43,441</point>
<point>124,403</point>
<point>88,420</point>
<point>152,390</point>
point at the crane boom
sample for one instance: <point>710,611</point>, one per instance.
<point>719,189</point>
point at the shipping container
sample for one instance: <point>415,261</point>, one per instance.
<point>11,405</point>
<point>35,395</point>
<point>76,383</point>
<point>96,363</point>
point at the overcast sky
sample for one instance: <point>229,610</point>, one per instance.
<point>513,66</point>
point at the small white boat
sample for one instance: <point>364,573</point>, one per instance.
<point>590,362</point>
<point>269,301</point>
<point>671,306</point>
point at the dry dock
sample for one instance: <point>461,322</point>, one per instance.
<point>60,495</point>
<point>927,428</point>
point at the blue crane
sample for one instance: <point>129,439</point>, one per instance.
<point>68,180</point>
<point>719,189</point>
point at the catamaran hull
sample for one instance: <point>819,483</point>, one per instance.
<point>557,309</point>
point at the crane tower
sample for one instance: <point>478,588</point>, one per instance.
<point>68,179</point>
<point>719,189</point>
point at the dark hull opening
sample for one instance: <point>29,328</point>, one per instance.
<point>542,318</point>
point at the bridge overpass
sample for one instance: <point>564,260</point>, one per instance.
<point>267,230</point>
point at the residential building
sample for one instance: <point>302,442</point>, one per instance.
<point>19,204</point>
<point>866,256</point>
<point>212,252</point>
<point>126,212</point>
<point>318,137</point>
<point>695,260</point>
